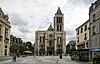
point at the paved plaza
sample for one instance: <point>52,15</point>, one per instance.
<point>44,60</point>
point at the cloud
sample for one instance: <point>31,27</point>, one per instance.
<point>70,38</point>
<point>27,16</point>
<point>45,23</point>
<point>88,2</point>
<point>70,34</point>
<point>70,31</point>
<point>16,19</point>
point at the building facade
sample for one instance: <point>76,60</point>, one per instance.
<point>53,40</point>
<point>70,46</point>
<point>4,34</point>
<point>82,36</point>
<point>94,16</point>
<point>14,41</point>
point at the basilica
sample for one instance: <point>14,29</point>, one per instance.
<point>53,40</point>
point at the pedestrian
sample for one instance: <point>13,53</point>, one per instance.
<point>34,55</point>
<point>57,61</point>
<point>14,58</point>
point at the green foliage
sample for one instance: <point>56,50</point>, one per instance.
<point>20,48</point>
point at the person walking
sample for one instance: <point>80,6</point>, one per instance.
<point>14,58</point>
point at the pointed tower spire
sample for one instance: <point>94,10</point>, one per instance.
<point>58,11</point>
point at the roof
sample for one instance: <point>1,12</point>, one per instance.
<point>82,24</point>
<point>95,49</point>
<point>1,11</point>
<point>27,51</point>
<point>50,28</point>
<point>72,43</point>
<point>58,11</point>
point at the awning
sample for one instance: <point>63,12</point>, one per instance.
<point>27,52</point>
<point>94,49</point>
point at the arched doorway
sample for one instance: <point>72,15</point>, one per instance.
<point>58,51</point>
<point>41,52</point>
<point>50,52</point>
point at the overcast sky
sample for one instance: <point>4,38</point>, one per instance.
<point>27,16</point>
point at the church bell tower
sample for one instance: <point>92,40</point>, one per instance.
<point>59,21</point>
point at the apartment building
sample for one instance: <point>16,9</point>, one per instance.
<point>4,34</point>
<point>82,36</point>
<point>94,16</point>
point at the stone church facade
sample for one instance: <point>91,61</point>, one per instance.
<point>53,40</point>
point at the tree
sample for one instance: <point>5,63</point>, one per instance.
<point>14,48</point>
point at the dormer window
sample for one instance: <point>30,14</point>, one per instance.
<point>93,6</point>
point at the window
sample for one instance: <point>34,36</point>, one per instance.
<point>99,41</point>
<point>43,39</point>
<point>93,6</point>
<point>57,27</point>
<point>60,28</point>
<point>85,36</point>
<point>6,46</point>
<point>60,39</point>
<point>87,44</point>
<point>57,39</point>
<point>50,35</point>
<point>93,30</point>
<point>85,27</point>
<point>94,17</point>
<point>60,19</point>
<point>6,33</point>
<point>5,52</point>
<point>57,19</point>
<point>78,32</point>
<point>81,30</point>
<point>99,27</point>
<point>0,30</point>
<point>40,39</point>
<point>78,39</point>
<point>83,45</point>
<point>50,42</point>
<point>0,15</point>
<point>41,46</point>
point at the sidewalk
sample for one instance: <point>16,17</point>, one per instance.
<point>3,58</point>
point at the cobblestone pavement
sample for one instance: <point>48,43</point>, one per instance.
<point>44,60</point>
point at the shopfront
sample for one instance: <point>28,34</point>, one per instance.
<point>81,55</point>
<point>95,52</point>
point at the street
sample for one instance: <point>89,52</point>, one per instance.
<point>44,60</point>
